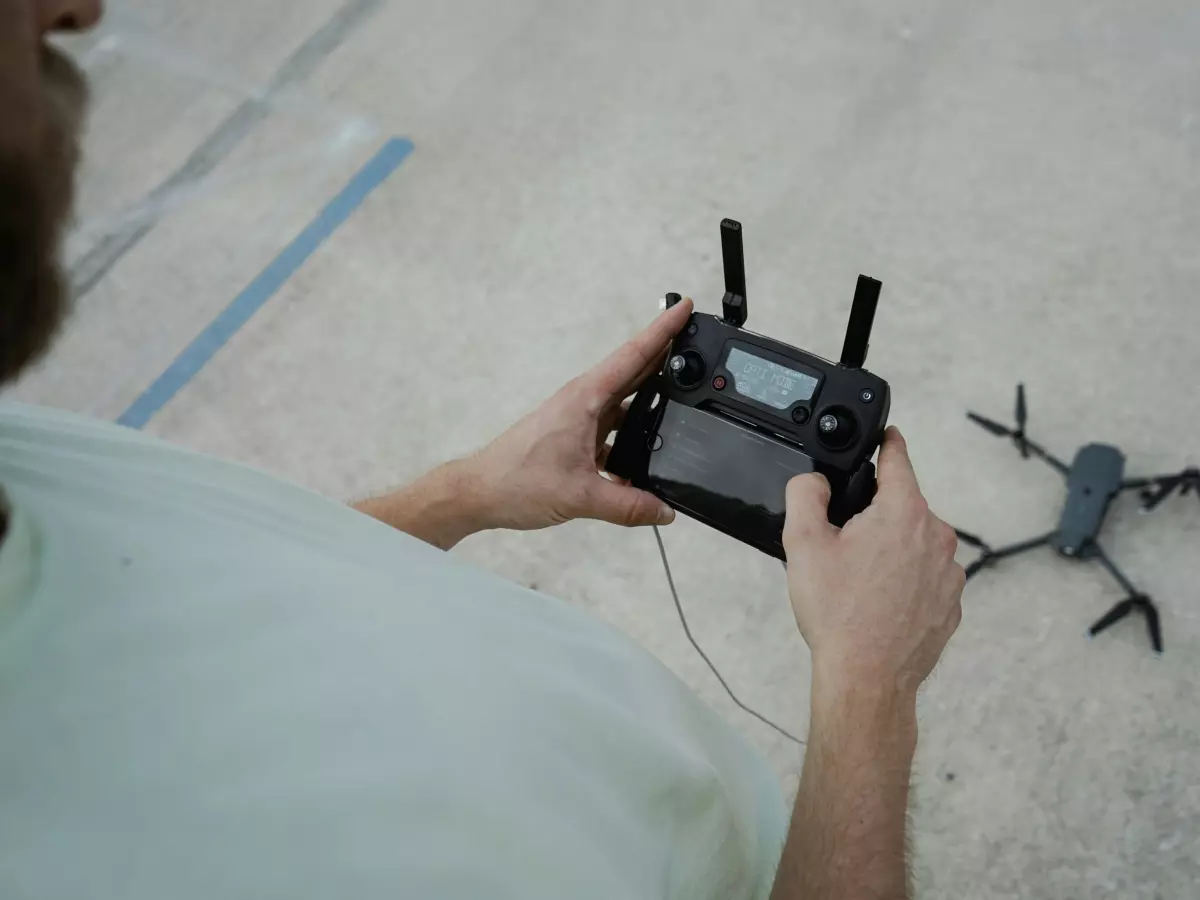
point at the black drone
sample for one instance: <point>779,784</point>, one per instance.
<point>1094,478</point>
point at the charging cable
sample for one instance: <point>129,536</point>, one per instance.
<point>662,551</point>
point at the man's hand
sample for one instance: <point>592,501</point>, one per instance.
<point>546,469</point>
<point>876,602</point>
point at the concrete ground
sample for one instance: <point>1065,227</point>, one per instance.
<point>1023,177</point>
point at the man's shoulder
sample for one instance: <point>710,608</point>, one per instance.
<point>58,464</point>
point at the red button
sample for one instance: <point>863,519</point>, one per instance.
<point>719,383</point>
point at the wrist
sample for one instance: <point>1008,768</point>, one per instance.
<point>456,501</point>
<point>442,507</point>
<point>468,495</point>
<point>881,708</point>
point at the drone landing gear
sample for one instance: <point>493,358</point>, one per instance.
<point>1135,602</point>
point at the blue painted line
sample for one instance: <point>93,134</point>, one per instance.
<point>266,285</point>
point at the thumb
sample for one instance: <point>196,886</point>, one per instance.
<point>625,505</point>
<point>807,519</point>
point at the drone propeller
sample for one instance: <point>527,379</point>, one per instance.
<point>971,540</point>
<point>994,427</point>
<point>1159,489</point>
<point>1022,415</point>
<point>1017,434</point>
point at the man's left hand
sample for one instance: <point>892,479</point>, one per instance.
<point>546,469</point>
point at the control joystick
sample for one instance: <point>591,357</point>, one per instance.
<point>836,428</point>
<point>687,368</point>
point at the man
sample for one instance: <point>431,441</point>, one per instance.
<point>213,684</point>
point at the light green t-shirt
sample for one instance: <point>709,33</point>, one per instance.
<point>214,685</point>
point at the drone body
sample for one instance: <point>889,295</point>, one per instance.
<point>1094,479</point>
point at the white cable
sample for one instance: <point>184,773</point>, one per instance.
<point>662,552</point>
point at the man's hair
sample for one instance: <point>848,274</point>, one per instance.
<point>36,192</point>
<point>32,293</point>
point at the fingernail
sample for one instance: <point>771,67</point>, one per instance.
<point>666,515</point>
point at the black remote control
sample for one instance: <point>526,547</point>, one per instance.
<point>733,416</point>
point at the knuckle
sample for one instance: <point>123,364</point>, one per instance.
<point>947,538</point>
<point>958,581</point>
<point>628,510</point>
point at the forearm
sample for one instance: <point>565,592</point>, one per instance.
<point>440,508</point>
<point>847,837</point>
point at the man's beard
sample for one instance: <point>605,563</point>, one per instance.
<point>36,196</point>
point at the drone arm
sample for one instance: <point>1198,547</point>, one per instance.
<point>1023,546</point>
<point>1053,461</point>
<point>1112,569</point>
<point>1133,484</point>
<point>988,555</point>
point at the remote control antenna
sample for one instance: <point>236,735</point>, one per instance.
<point>862,317</point>
<point>733,305</point>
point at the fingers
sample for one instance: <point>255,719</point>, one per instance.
<point>896,475</point>
<point>635,360</point>
<point>620,504</point>
<point>807,519</point>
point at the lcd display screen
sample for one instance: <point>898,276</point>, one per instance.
<point>768,382</point>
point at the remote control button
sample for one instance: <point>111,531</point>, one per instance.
<point>687,368</point>
<point>866,395</point>
<point>670,300</point>
<point>800,415</point>
<point>719,383</point>
<point>828,424</point>
<point>692,329</point>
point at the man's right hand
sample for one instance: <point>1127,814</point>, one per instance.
<point>878,600</point>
